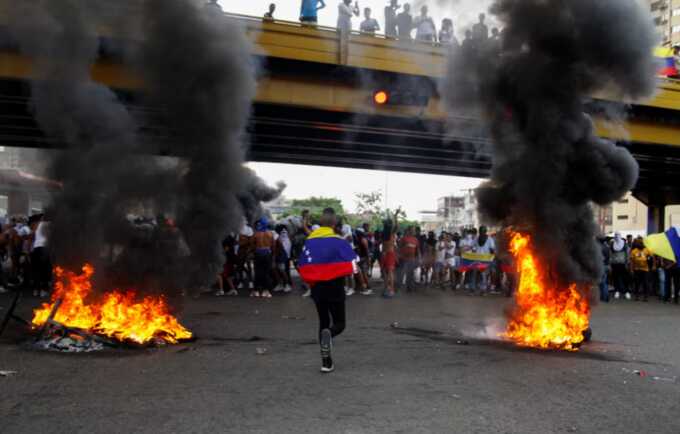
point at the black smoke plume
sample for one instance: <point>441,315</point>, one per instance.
<point>530,87</point>
<point>255,194</point>
<point>200,78</point>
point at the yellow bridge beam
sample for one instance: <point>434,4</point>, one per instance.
<point>318,94</point>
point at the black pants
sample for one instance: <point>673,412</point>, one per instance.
<point>673,283</point>
<point>41,269</point>
<point>620,277</point>
<point>641,280</point>
<point>329,298</point>
<point>263,271</point>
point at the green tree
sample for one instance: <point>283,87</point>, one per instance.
<point>315,205</point>
<point>369,209</point>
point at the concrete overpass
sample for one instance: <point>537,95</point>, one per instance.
<point>314,106</point>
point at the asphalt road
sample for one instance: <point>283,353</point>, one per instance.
<point>413,378</point>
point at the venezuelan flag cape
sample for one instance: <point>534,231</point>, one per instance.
<point>666,245</point>
<point>475,261</point>
<point>325,257</point>
<point>664,56</point>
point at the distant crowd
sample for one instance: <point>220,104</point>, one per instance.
<point>633,272</point>
<point>260,259</point>
<point>24,256</point>
<point>400,22</point>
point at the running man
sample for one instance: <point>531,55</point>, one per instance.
<point>324,264</point>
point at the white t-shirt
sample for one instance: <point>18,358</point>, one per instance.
<point>488,246</point>
<point>23,230</point>
<point>424,26</point>
<point>451,258</point>
<point>468,244</point>
<point>344,17</point>
<point>41,235</point>
<point>441,252</point>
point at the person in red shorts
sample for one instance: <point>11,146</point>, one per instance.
<point>389,253</point>
<point>228,269</point>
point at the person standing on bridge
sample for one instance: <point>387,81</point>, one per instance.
<point>405,23</point>
<point>326,261</point>
<point>391,19</point>
<point>369,25</point>
<point>447,35</point>
<point>480,32</point>
<point>269,15</point>
<point>309,11</point>
<point>425,28</point>
<point>345,12</point>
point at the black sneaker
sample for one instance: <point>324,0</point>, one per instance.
<point>327,365</point>
<point>326,343</point>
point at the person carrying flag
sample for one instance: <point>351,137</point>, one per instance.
<point>324,263</point>
<point>667,245</point>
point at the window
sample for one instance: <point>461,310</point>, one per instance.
<point>622,217</point>
<point>676,12</point>
<point>676,29</point>
<point>623,201</point>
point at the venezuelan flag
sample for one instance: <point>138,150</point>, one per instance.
<point>666,245</point>
<point>666,61</point>
<point>325,257</point>
<point>475,261</point>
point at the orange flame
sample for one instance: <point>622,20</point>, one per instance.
<point>544,316</point>
<point>118,315</point>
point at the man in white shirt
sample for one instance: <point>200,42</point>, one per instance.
<point>41,267</point>
<point>369,25</point>
<point>345,12</point>
<point>468,244</point>
<point>425,28</point>
<point>485,245</point>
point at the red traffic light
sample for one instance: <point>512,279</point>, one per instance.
<point>381,97</point>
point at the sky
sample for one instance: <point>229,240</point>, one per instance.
<point>463,12</point>
<point>413,192</point>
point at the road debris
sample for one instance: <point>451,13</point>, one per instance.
<point>7,373</point>
<point>666,379</point>
<point>260,351</point>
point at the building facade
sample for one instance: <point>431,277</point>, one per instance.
<point>666,15</point>
<point>458,211</point>
<point>630,216</point>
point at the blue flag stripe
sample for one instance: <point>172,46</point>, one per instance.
<point>674,239</point>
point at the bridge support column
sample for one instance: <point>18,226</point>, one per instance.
<point>656,218</point>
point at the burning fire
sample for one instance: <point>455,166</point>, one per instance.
<point>545,316</point>
<point>118,315</point>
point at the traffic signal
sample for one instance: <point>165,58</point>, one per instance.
<point>395,97</point>
<point>381,97</point>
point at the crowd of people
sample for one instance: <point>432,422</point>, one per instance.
<point>24,257</point>
<point>633,272</point>
<point>398,24</point>
<point>260,260</point>
<point>391,258</point>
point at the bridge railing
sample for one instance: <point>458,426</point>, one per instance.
<point>314,43</point>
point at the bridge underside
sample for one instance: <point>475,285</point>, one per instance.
<point>294,135</point>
